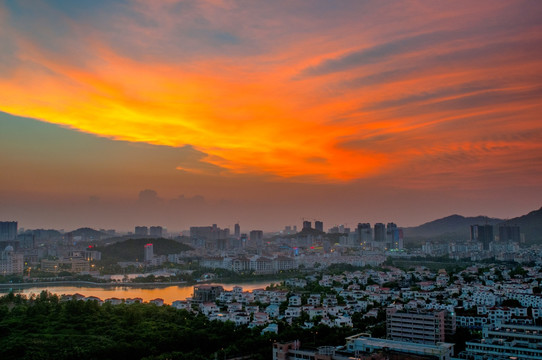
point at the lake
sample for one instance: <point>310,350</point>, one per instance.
<point>168,293</point>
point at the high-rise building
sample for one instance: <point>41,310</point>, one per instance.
<point>156,231</point>
<point>394,237</point>
<point>244,238</point>
<point>256,238</point>
<point>365,233</point>
<point>380,233</point>
<point>319,225</point>
<point>8,230</point>
<point>398,240</point>
<point>509,233</point>
<point>483,234</point>
<point>148,252</point>
<point>141,231</point>
<point>237,230</point>
<point>307,225</point>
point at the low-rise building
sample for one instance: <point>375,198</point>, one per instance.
<point>508,341</point>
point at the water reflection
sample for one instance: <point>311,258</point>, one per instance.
<point>169,294</point>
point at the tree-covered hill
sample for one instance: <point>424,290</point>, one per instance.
<point>132,249</point>
<point>45,328</point>
<point>86,234</point>
<point>530,225</point>
<point>453,226</point>
<point>457,228</point>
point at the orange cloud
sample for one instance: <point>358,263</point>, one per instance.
<point>301,110</point>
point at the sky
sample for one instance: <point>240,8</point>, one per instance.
<point>180,113</point>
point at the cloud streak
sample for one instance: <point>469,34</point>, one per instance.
<point>296,95</point>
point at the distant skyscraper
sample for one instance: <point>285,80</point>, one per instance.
<point>256,238</point>
<point>148,252</point>
<point>307,225</point>
<point>365,233</point>
<point>141,231</point>
<point>380,233</point>
<point>156,231</point>
<point>483,234</point>
<point>319,225</point>
<point>8,230</point>
<point>509,233</point>
<point>394,237</point>
<point>237,230</point>
<point>391,233</point>
<point>399,240</point>
<point>224,233</point>
<point>243,240</point>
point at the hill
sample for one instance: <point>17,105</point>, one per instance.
<point>457,227</point>
<point>530,225</point>
<point>450,228</point>
<point>132,249</point>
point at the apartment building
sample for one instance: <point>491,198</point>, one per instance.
<point>419,326</point>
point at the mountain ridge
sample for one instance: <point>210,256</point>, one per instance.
<point>457,227</point>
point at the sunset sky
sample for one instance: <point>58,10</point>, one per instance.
<point>178,113</point>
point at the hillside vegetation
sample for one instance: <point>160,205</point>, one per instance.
<point>457,228</point>
<point>45,328</point>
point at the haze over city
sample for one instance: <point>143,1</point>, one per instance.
<point>182,113</point>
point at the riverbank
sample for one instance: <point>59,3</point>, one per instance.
<point>62,283</point>
<point>168,292</point>
<point>93,284</point>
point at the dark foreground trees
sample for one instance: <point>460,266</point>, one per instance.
<point>43,327</point>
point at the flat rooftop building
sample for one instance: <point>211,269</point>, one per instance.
<point>510,341</point>
<point>366,344</point>
<point>361,347</point>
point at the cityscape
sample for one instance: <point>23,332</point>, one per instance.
<point>270,180</point>
<point>462,299</point>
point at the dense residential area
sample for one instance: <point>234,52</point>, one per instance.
<point>357,293</point>
<point>465,314</point>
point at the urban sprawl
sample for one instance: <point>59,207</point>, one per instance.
<point>489,292</point>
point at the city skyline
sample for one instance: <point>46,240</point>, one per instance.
<point>176,113</point>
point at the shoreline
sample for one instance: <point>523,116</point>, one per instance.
<point>81,283</point>
<point>93,284</point>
